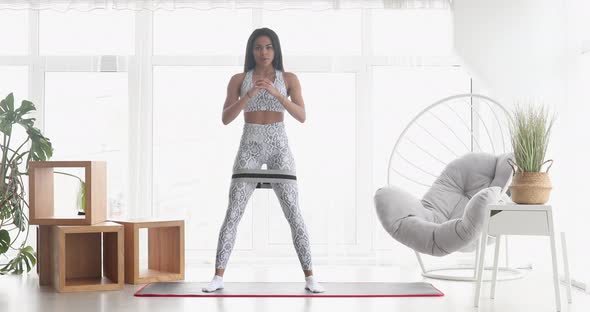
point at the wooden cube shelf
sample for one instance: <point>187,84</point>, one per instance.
<point>41,197</point>
<point>165,250</point>
<point>81,258</point>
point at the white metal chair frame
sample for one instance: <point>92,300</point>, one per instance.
<point>434,272</point>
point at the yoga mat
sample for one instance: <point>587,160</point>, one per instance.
<point>289,290</point>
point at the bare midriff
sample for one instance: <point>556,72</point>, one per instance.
<point>263,117</point>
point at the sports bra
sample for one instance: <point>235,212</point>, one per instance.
<point>263,101</point>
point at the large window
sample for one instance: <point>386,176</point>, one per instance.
<point>14,79</point>
<point>14,32</point>
<point>212,32</point>
<point>144,90</point>
<point>97,32</point>
<point>334,32</point>
<point>86,119</point>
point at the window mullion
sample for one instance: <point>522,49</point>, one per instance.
<point>36,70</point>
<point>141,118</point>
<point>364,140</point>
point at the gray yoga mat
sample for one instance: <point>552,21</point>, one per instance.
<point>190,289</point>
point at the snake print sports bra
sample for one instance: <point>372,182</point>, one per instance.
<point>263,101</point>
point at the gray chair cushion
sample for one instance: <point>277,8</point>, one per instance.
<point>450,216</point>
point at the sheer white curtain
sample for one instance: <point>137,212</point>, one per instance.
<point>82,5</point>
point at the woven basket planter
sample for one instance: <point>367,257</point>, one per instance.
<point>530,187</point>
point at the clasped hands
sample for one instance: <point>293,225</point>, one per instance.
<point>265,84</point>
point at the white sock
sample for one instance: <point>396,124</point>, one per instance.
<point>215,284</point>
<point>312,285</point>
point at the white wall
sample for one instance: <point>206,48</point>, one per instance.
<point>515,47</point>
<point>523,49</point>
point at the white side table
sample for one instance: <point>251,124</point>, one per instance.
<point>515,219</point>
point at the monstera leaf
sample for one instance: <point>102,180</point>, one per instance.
<point>7,115</point>
<point>13,216</point>
<point>41,148</point>
<point>25,256</point>
<point>4,241</point>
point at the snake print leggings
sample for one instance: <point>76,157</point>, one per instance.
<point>263,144</point>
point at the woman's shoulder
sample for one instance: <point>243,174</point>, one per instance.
<point>289,76</point>
<point>237,78</point>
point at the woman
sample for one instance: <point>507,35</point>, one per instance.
<point>263,92</point>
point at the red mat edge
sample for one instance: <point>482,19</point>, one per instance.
<point>440,294</point>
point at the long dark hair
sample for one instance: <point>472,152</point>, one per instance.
<point>277,62</point>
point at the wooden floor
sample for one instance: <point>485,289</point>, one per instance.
<point>532,293</point>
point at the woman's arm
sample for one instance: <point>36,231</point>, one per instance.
<point>295,106</point>
<point>233,103</point>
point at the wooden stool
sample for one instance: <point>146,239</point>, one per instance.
<point>165,250</point>
<point>71,260</point>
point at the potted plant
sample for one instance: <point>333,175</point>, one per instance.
<point>15,165</point>
<point>530,129</point>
